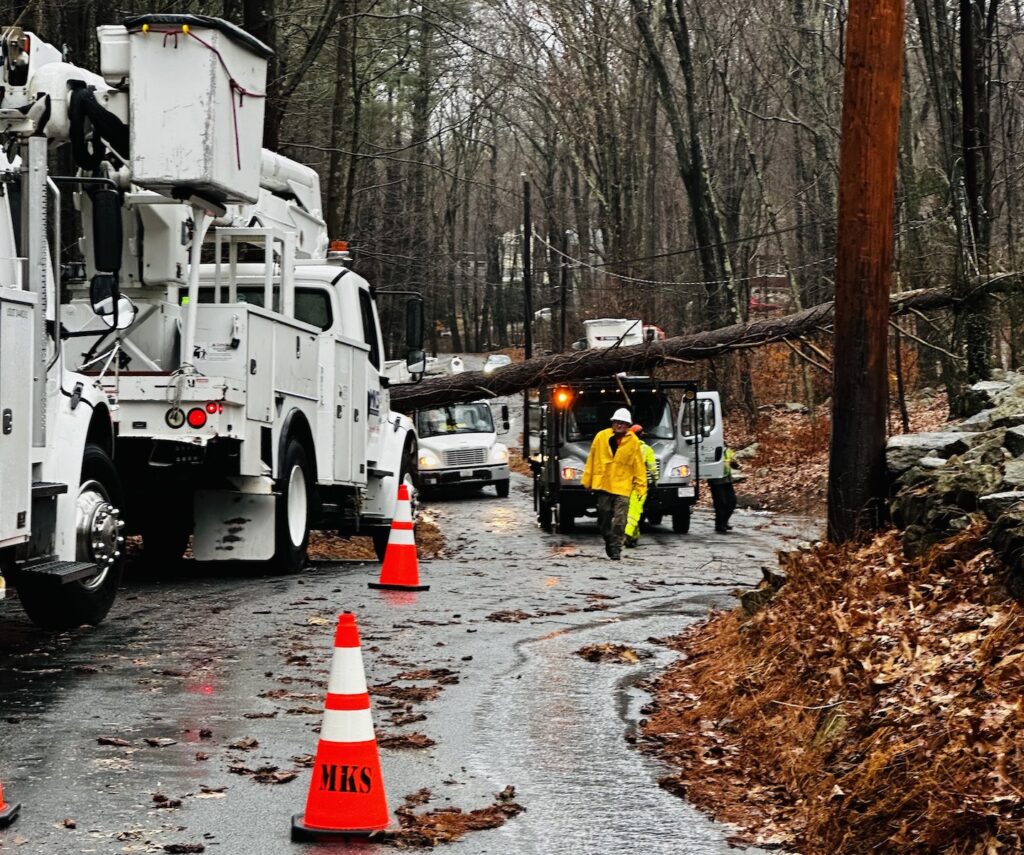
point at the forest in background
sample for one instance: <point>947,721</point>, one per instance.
<point>682,157</point>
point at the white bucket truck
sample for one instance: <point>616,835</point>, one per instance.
<point>251,400</point>
<point>459,446</point>
<point>60,496</point>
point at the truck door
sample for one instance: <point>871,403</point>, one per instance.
<point>259,398</point>
<point>349,414</point>
<point>372,402</point>
<point>709,437</point>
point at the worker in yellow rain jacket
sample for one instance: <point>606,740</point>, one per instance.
<point>615,469</point>
<point>638,500</point>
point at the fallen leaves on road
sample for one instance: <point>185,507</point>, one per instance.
<point>183,848</point>
<point>414,694</point>
<point>405,740</point>
<point>245,744</point>
<point>165,802</point>
<point>447,825</point>
<point>510,616</point>
<point>618,653</point>
<point>874,705</point>
<point>115,741</point>
<point>160,741</point>
<point>266,774</point>
<point>444,676</point>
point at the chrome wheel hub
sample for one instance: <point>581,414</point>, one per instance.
<point>98,531</point>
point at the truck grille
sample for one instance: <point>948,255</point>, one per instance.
<point>465,457</point>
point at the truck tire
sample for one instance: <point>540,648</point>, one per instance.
<point>87,601</point>
<point>681,520</point>
<point>502,488</point>
<point>566,520</point>
<point>295,499</point>
<point>655,519</point>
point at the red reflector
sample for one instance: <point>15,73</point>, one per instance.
<point>196,418</point>
<point>211,407</point>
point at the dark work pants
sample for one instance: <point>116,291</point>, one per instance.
<point>611,519</point>
<point>723,494</point>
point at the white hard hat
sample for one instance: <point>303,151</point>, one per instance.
<point>622,415</point>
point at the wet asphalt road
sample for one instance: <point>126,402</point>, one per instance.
<point>245,655</point>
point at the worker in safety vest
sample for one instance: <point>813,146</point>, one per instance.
<point>723,494</point>
<point>615,470</point>
<point>637,501</point>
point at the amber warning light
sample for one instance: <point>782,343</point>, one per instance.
<point>563,397</point>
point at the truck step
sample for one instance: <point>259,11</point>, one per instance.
<point>43,489</point>
<point>60,572</point>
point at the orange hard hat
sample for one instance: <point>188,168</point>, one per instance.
<point>637,429</point>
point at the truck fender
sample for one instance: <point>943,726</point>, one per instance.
<point>295,425</point>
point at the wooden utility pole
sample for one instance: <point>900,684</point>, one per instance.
<point>527,304</point>
<point>864,253</point>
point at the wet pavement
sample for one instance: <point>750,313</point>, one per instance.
<point>201,660</point>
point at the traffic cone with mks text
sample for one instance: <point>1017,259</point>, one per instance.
<point>346,796</point>
<point>8,812</point>
<point>401,568</point>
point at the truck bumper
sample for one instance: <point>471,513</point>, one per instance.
<point>479,476</point>
<point>659,499</point>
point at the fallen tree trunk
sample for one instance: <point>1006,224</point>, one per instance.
<point>640,358</point>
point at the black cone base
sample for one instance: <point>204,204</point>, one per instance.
<point>381,587</point>
<point>302,832</point>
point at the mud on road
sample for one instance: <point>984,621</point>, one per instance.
<point>189,717</point>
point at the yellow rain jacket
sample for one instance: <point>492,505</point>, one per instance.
<point>621,474</point>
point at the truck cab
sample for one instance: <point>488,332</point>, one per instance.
<point>685,436</point>
<point>458,445</point>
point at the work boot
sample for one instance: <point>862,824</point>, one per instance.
<point>615,555</point>
<point>608,550</point>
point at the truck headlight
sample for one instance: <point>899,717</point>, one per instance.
<point>429,460</point>
<point>680,472</point>
<point>499,454</point>
<point>571,473</point>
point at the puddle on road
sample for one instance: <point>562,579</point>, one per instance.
<point>555,727</point>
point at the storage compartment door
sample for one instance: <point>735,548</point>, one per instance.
<point>15,419</point>
<point>343,406</point>
<point>259,399</point>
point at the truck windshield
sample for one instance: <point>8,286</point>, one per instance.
<point>458,418</point>
<point>592,412</point>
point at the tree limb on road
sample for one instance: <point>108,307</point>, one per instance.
<point>579,365</point>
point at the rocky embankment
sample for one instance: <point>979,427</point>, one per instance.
<point>969,472</point>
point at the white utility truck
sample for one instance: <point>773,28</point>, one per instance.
<point>60,495</point>
<point>459,446</point>
<point>247,367</point>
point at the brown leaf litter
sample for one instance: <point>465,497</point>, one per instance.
<point>618,653</point>
<point>328,546</point>
<point>447,825</point>
<point>875,704</point>
<point>405,740</point>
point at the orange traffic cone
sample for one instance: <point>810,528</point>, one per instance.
<point>8,812</point>
<point>346,796</point>
<point>401,568</point>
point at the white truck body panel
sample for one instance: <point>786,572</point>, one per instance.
<point>605,332</point>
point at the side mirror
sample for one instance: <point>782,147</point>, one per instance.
<point>109,305</point>
<point>414,326</point>
<point>504,418</point>
<point>416,361</point>
<point>107,235</point>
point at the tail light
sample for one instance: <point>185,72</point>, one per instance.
<point>196,417</point>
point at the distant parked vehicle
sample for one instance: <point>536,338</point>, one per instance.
<point>460,446</point>
<point>496,361</point>
<point>457,366</point>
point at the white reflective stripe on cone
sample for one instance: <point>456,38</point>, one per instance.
<point>347,726</point>
<point>403,512</point>
<point>347,675</point>
<point>402,537</point>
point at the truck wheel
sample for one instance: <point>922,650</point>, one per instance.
<point>380,542</point>
<point>566,520</point>
<point>655,519</point>
<point>98,540</point>
<point>681,520</point>
<point>544,515</point>
<point>501,488</point>
<point>294,500</point>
